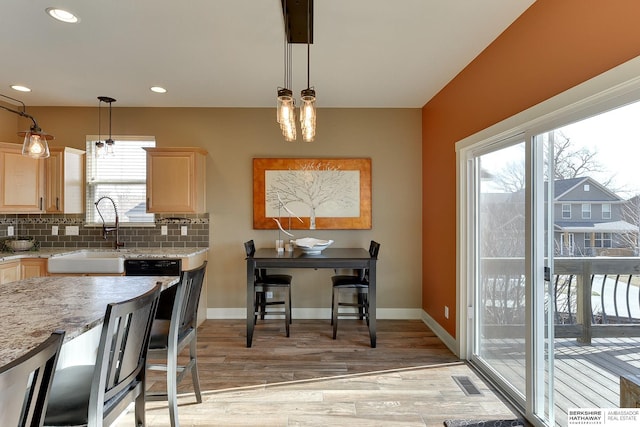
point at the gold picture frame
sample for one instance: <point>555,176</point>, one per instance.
<point>312,193</point>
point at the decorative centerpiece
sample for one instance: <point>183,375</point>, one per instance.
<point>20,244</point>
<point>312,246</point>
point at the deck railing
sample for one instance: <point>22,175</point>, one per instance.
<point>593,296</point>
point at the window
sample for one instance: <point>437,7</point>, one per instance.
<point>566,211</point>
<point>586,187</point>
<point>600,240</point>
<point>586,211</point>
<point>606,211</point>
<point>122,177</point>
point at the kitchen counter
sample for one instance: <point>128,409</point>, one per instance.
<point>31,309</point>
<point>146,253</point>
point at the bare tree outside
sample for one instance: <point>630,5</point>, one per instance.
<point>314,186</point>
<point>631,214</point>
<point>570,162</point>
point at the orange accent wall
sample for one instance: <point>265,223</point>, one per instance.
<point>553,46</point>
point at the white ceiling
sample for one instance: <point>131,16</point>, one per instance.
<point>229,53</point>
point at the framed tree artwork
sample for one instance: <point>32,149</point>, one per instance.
<point>322,194</point>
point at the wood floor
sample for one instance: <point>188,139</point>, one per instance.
<point>311,380</point>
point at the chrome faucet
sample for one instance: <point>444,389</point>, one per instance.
<point>106,230</point>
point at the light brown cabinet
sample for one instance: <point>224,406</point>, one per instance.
<point>24,268</point>
<point>21,181</point>
<point>9,271</point>
<point>33,267</point>
<point>64,172</point>
<point>176,180</point>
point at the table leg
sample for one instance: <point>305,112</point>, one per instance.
<point>250,296</point>
<point>372,302</point>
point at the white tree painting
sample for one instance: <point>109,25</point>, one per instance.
<point>320,191</point>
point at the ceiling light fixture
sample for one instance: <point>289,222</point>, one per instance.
<point>35,140</point>
<point>20,88</point>
<point>286,108</point>
<point>105,148</point>
<point>158,89</point>
<point>296,30</point>
<point>62,15</point>
<point>308,95</point>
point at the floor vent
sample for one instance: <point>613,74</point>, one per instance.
<point>466,385</point>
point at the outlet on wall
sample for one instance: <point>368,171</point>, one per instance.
<point>269,295</point>
<point>446,312</point>
<point>54,230</point>
<point>183,230</point>
<point>72,230</point>
<point>163,230</point>
<point>10,231</point>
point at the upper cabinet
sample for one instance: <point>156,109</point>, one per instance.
<point>176,180</point>
<point>64,171</point>
<point>21,181</point>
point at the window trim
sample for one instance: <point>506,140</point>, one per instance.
<point>607,212</point>
<point>566,211</point>
<point>586,210</point>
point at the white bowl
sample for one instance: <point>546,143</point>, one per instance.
<point>20,244</point>
<point>312,246</point>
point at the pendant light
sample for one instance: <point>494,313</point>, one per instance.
<point>35,140</point>
<point>105,148</point>
<point>308,95</point>
<point>286,108</point>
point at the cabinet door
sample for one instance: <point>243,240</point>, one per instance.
<point>34,267</point>
<point>21,181</point>
<point>9,271</point>
<point>64,171</point>
<point>175,180</point>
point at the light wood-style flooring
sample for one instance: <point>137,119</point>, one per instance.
<point>311,380</point>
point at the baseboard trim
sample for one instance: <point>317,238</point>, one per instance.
<point>317,313</point>
<point>441,333</point>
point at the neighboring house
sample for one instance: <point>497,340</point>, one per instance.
<point>591,220</point>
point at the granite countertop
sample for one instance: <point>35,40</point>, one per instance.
<point>31,309</point>
<point>126,253</point>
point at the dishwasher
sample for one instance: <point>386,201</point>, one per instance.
<point>157,267</point>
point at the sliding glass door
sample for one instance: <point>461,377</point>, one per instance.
<point>509,290</point>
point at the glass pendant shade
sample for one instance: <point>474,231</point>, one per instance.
<point>35,143</point>
<point>286,114</point>
<point>308,114</point>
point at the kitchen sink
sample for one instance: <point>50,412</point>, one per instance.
<point>87,261</point>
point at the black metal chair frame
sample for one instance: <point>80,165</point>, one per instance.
<point>168,343</point>
<point>360,284</point>
<point>263,283</point>
<point>25,383</point>
<point>118,377</point>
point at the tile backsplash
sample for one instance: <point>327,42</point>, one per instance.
<point>40,226</point>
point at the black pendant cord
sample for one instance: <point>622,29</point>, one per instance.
<point>308,41</point>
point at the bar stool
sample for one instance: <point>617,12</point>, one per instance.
<point>359,283</point>
<point>263,283</point>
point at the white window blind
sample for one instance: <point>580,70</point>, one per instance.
<point>121,176</point>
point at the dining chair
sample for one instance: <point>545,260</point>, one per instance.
<point>95,395</point>
<point>264,283</point>
<point>170,337</point>
<point>358,283</point>
<point>25,384</point>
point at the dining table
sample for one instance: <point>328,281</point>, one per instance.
<point>332,258</point>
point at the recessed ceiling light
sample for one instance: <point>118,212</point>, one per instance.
<point>62,15</point>
<point>20,88</point>
<point>158,89</point>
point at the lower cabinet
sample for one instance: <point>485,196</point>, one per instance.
<point>9,271</point>
<point>25,268</point>
<point>33,267</point>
